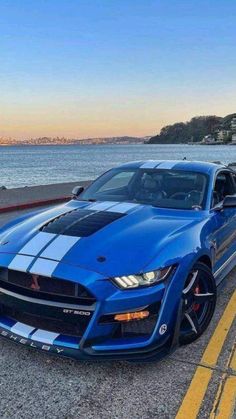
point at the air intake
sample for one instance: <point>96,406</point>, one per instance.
<point>81,223</point>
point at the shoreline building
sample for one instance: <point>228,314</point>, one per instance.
<point>211,139</point>
<point>233,129</point>
<point>223,135</point>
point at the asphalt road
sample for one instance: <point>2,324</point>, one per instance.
<point>33,384</point>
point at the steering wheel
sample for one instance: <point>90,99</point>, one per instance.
<point>149,196</point>
<point>191,194</point>
<point>180,196</point>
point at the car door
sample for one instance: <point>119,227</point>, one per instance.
<point>224,236</point>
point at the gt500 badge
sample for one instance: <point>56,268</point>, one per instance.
<point>76,312</point>
<point>163,329</point>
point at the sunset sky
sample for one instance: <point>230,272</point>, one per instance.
<point>91,68</point>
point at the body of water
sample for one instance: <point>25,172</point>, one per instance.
<point>38,165</point>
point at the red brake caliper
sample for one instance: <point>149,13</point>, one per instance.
<point>196,306</point>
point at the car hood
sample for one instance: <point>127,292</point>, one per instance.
<point>123,245</point>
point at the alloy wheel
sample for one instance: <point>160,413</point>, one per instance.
<point>198,303</point>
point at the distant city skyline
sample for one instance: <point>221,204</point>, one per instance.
<point>105,68</point>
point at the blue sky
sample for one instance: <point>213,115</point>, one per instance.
<point>113,67</point>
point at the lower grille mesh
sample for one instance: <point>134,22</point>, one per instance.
<point>56,325</point>
<point>138,328</point>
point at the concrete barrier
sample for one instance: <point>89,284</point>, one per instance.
<point>35,196</point>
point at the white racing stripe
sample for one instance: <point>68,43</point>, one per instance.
<point>44,267</point>
<point>123,207</point>
<point>22,329</point>
<point>59,247</point>
<point>44,336</point>
<point>21,263</point>
<point>37,243</point>
<point>150,164</point>
<point>102,206</point>
<point>169,164</point>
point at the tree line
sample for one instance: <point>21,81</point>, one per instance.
<point>193,130</point>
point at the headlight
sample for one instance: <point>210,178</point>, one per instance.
<point>142,280</point>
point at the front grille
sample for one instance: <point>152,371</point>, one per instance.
<point>81,223</point>
<point>70,327</point>
<point>42,287</point>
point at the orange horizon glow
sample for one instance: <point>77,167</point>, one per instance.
<point>137,122</point>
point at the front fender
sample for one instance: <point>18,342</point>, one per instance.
<point>16,221</point>
<point>184,249</point>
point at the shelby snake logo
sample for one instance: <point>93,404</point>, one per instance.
<point>28,342</point>
<point>35,283</point>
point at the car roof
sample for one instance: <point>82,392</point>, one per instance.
<point>195,166</point>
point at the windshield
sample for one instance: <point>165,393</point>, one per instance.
<point>161,188</point>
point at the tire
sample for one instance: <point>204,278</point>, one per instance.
<point>198,303</point>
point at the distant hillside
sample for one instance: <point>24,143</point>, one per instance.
<point>193,130</point>
<point>68,141</point>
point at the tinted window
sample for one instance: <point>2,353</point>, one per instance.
<point>119,180</point>
<point>224,185</point>
<point>162,188</point>
<point>234,181</point>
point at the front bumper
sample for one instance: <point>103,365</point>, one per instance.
<point>96,339</point>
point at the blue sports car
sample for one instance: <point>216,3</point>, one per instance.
<point>128,269</point>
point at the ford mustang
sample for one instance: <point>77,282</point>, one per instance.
<point>127,269</point>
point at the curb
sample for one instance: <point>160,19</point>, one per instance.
<point>34,204</point>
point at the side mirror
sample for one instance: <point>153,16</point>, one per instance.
<point>77,190</point>
<point>229,201</point>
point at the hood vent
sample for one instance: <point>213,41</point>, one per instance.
<point>81,223</point>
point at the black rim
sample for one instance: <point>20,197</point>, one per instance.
<point>198,303</point>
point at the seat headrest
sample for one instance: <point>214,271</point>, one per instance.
<point>199,181</point>
<point>149,183</point>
